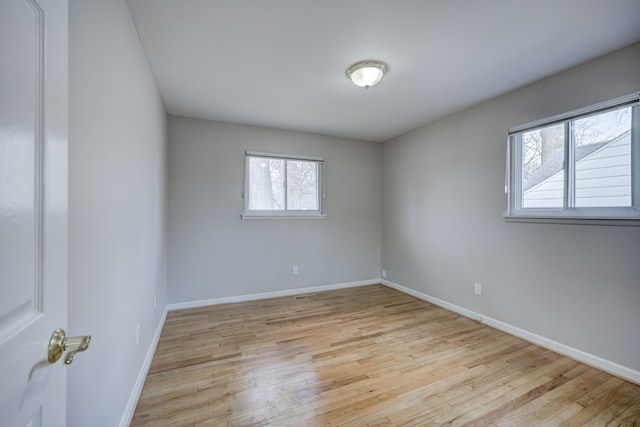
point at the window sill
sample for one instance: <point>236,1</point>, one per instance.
<point>629,221</point>
<point>254,217</point>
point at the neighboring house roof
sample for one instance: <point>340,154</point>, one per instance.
<point>554,164</point>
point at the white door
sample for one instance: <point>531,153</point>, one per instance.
<point>33,209</point>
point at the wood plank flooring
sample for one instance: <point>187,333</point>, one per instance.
<point>365,356</point>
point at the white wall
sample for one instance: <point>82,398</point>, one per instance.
<point>117,201</point>
<point>443,201</point>
<point>214,254</point>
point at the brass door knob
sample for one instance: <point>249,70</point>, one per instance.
<point>59,343</point>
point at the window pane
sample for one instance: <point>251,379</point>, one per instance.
<point>302,185</point>
<point>603,159</point>
<point>266,184</point>
<point>542,167</point>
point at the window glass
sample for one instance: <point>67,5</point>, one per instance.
<point>266,184</point>
<point>542,167</point>
<point>302,185</point>
<point>581,164</point>
<point>282,186</point>
<point>603,159</point>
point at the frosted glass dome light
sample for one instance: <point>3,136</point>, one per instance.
<point>367,73</point>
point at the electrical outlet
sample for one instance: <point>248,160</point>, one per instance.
<point>294,270</point>
<point>477,288</point>
<point>383,273</point>
<point>155,302</point>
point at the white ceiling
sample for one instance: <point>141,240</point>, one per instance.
<point>281,63</point>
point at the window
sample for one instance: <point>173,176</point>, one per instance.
<point>583,164</point>
<point>283,186</point>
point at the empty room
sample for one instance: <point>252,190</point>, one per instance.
<point>307,213</point>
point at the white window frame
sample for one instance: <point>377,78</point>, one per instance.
<point>285,213</point>
<point>568,213</point>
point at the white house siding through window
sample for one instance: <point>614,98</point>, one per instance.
<point>603,176</point>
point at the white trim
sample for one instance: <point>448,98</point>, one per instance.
<point>633,221</point>
<point>127,416</point>
<point>579,355</point>
<point>283,216</point>
<point>266,295</point>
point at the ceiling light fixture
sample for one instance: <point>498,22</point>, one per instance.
<point>367,73</point>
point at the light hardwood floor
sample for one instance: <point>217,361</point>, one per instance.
<point>365,356</point>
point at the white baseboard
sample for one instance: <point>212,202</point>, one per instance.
<point>579,355</point>
<point>266,295</point>
<point>127,416</point>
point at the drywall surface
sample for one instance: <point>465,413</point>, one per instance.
<point>443,201</point>
<point>213,253</point>
<point>117,209</point>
